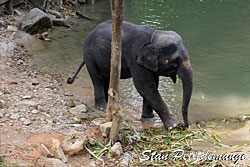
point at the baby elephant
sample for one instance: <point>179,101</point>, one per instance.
<point>146,54</point>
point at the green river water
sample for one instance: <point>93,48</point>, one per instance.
<point>215,32</point>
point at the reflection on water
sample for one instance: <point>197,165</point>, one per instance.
<point>216,34</point>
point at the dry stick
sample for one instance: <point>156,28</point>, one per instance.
<point>94,155</point>
<point>113,109</point>
<point>47,150</point>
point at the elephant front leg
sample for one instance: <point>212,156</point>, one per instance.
<point>157,103</point>
<point>147,112</point>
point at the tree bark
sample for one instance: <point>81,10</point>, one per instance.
<point>113,109</point>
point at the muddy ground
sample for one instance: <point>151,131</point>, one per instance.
<point>35,108</point>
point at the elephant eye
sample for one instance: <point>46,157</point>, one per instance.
<point>168,50</point>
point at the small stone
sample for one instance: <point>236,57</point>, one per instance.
<point>1,115</point>
<point>63,22</point>
<point>27,122</point>
<point>125,162</point>
<point>11,28</point>
<point>25,164</point>
<point>105,128</point>
<point>98,121</point>
<point>55,13</point>
<point>243,118</point>
<point>117,149</point>
<point>22,119</point>
<point>80,111</point>
<point>203,122</point>
<point>35,111</point>
<point>54,162</point>
<point>82,108</point>
<point>73,149</point>
<point>27,97</point>
<point>14,116</point>
<point>193,125</point>
<point>29,103</point>
<point>56,147</point>
<point>70,103</point>
<point>2,23</point>
<point>92,164</point>
<point>2,103</point>
<point>17,12</point>
<point>233,120</point>
<point>92,141</point>
<point>83,116</point>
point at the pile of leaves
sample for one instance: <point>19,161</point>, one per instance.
<point>158,147</point>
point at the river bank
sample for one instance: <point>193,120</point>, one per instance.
<point>35,108</point>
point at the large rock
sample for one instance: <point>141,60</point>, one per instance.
<point>36,21</point>
<point>28,41</point>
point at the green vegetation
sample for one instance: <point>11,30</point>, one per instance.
<point>162,142</point>
<point>2,161</point>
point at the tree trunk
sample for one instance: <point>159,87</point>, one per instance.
<point>113,109</point>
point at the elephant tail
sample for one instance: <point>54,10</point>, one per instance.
<point>71,80</point>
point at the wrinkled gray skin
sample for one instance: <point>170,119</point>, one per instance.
<point>146,55</point>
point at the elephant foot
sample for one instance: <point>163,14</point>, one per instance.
<point>100,103</point>
<point>148,120</point>
<point>101,107</point>
<point>170,123</point>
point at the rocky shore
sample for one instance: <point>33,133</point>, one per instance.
<point>38,117</point>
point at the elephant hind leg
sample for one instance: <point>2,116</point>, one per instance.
<point>98,82</point>
<point>100,100</point>
<point>106,88</point>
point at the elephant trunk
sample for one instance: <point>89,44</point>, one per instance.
<point>186,75</point>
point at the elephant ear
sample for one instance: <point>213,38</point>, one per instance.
<point>147,57</point>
